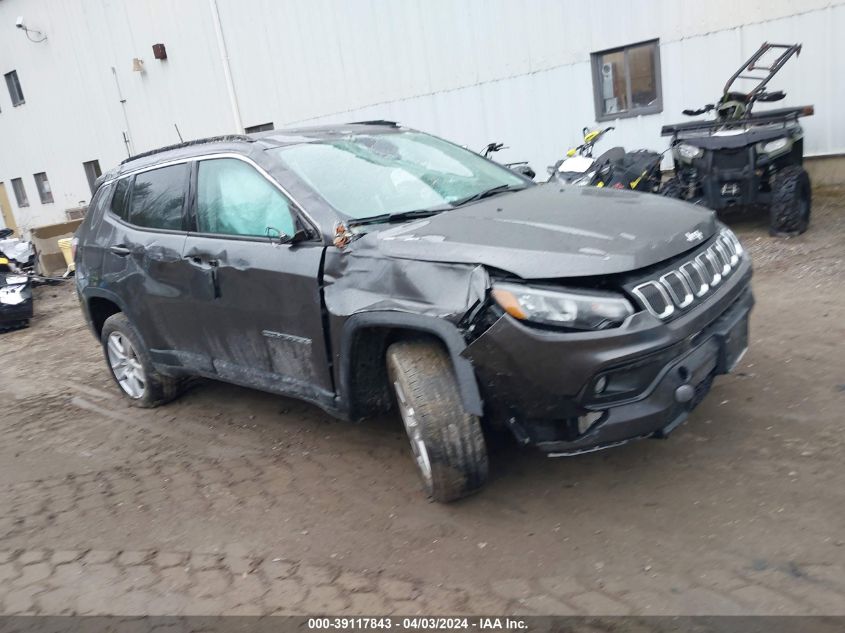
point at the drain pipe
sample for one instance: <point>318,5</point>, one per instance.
<point>227,70</point>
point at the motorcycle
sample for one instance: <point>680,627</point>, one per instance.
<point>638,170</point>
<point>521,167</point>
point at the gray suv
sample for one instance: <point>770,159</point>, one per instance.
<point>365,265</point>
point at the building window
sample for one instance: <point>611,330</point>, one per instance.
<point>626,81</point>
<point>264,127</point>
<point>20,192</point>
<point>14,86</point>
<point>43,186</point>
<point>92,172</point>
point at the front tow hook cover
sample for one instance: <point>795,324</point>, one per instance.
<point>684,393</point>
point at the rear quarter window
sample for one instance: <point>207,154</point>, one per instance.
<point>96,208</point>
<point>158,197</point>
<point>118,201</point>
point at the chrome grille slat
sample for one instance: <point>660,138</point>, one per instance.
<point>692,280</point>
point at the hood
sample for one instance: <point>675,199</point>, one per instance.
<point>551,231</point>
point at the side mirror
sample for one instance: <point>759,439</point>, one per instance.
<point>524,169</point>
<point>278,237</point>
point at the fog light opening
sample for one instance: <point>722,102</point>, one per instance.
<point>587,420</point>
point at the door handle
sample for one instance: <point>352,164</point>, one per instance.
<point>120,249</point>
<point>202,262</point>
<point>209,267</point>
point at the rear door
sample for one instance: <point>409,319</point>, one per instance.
<point>142,237</point>
<point>257,302</point>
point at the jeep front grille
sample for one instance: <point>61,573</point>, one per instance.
<point>688,283</point>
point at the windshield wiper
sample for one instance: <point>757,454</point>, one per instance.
<point>486,194</point>
<point>398,216</point>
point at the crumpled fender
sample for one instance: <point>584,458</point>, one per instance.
<point>363,288</point>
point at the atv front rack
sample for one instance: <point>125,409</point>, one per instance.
<point>767,117</point>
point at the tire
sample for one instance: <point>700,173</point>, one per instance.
<point>672,188</point>
<point>447,442</point>
<point>154,388</point>
<point>791,202</point>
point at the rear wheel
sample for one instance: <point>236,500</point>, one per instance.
<point>447,442</point>
<point>791,202</point>
<point>131,366</point>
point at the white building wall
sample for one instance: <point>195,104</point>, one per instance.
<point>474,71</point>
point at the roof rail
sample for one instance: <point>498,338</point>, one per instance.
<point>200,141</point>
<point>375,122</point>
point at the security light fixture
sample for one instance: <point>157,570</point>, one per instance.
<point>19,23</point>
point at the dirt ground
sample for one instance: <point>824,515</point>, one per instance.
<point>235,501</point>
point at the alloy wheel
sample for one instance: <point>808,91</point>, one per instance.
<point>126,365</point>
<point>412,428</point>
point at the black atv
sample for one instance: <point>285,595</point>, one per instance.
<point>745,158</point>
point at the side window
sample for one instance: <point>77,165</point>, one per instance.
<point>157,198</point>
<point>99,202</point>
<point>234,199</point>
<point>118,202</point>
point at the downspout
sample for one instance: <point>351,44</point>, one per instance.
<point>227,70</point>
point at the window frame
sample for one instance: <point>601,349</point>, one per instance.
<point>304,219</point>
<point>595,67</point>
<point>25,203</point>
<point>41,193</point>
<point>15,95</point>
<point>130,194</point>
<point>301,220</point>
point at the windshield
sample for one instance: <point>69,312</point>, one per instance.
<point>365,175</point>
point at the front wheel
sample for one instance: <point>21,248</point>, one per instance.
<point>447,442</point>
<point>791,202</point>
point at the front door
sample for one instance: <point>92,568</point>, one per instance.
<point>6,210</point>
<point>257,301</point>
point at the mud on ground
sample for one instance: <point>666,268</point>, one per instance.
<point>235,501</point>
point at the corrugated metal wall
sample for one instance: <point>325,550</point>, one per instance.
<point>473,71</point>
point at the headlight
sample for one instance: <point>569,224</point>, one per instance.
<point>579,310</point>
<point>773,148</point>
<point>689,152</point>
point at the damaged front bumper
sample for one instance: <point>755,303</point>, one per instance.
<point>569,393</point>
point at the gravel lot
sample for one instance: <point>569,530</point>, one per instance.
<point>235,501</point>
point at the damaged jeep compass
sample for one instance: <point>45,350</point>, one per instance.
<point>366,266</point>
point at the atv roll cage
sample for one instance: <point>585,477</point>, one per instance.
<point>737,104</point>
<point>788,50</point>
